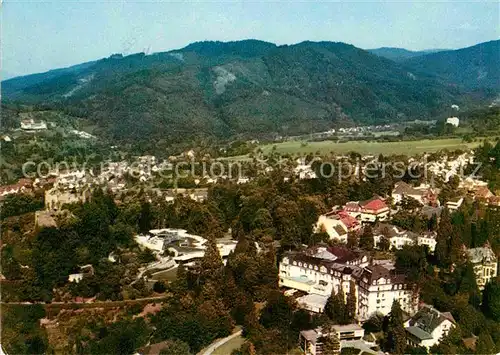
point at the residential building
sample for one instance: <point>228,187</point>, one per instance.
<point>485,264</point>
<point>310,340</point>
<point>372,210</point>
<point>455,121</point>
<point>399,237</point>
<point>337,224</point>
<point>379,287</point>
<point>428,327</point>
<point>423,195</point>
<point>31,125</point>
<point>55,198</point>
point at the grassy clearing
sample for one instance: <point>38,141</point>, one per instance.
<point>166,275</point>
<point>370,148</point>
<point>231,345</point>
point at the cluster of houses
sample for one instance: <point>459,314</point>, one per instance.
<point>22,186</point>
<point>32,125</point>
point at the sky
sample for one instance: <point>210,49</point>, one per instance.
<point>40,35</point>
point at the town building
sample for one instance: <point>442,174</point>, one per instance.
<point>424,195</point>
<point>372,210</point>
<point>31,125</point>
<point>379,287</point>
<point>428,327</point>
<point>310,340</point>
<point>22,186</point>
<point>399,237</point>
<point>56,198</point>
<point>454,121</point>
<point>337,224</point>
<point>319,271</point>
<point>485,264</point>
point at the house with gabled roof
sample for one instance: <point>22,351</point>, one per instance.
<point>372,210</point>
<point>399,237</point>
<point>428,327</point>
<point>485,264</point>
<point>337,224</point>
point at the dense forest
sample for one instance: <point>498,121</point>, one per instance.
<point>254,89</point>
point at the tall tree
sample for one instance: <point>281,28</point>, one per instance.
<point>352,239</point>
<point>366,240</point>
<point>444,232</point>
<point>211,264</point>
<point>491,300</point>
<point>335,307</point>
<point>330,344</point>
<point>145,217</point>
<point>351,301</point>
<point>396,335</point>
<point>485,344</point>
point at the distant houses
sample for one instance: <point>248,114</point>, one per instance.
<point>454,121</point>
<point>32,125</point>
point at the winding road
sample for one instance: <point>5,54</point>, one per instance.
<point>220,342</point>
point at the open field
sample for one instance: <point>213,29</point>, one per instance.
<point>371,148</point>
<point>231,345</point>
<point>166,275</point>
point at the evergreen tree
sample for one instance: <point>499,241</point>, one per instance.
<point>352,239</point>
<point>396,334</point>
<point>335,308</point>
<point>181,283</point>
<point>330,344</point>
<point>211,265</point>
<point>468,285</point>
<point>145,218</point>
<point>444,232</point>
<point>329,309</point>
<point>433,223</point>
<point>351,301</point>
<point>491,300</point>
<point>485,344</point>
<point>366,240</point>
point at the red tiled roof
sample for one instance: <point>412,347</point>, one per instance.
<point>375,205</point>
<point>352,207</point>
<point>349,221</point>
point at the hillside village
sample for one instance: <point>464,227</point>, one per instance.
<point>356,252</point>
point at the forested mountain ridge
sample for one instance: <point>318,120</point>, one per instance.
<point>472,67</point>
<point>400,54</point>
<point>248,88</point>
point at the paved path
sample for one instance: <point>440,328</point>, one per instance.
<point>94,304</point>
<point>220,342</point>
